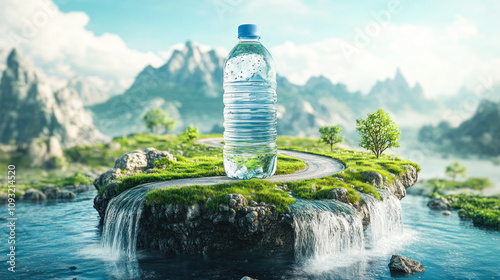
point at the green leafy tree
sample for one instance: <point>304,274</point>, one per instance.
<point>331,135</point>
<point>455,169</point>
<point>378,132</point>
<point>156,119</point>
<point>190,133</point>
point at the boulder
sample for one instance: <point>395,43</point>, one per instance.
<point>107,177</point>
<point>373,178</point>
<point>447,213</point>
<point>247,278</point>
<point>34,194</point>
<point>401,264</point>
<point>237,201</point>
<point>43,152</point>
<point>78,189</point>
<point>66,195</point>
<point>153,155</point>
<point>132,161</point>
<point>340,194</point>
<point>439,203</point>
<point>51,192</point>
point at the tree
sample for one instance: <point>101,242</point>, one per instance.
<point>378,132</point>
<point>190,133</point>
<point>156,119</point>
<point>455,169</point>
<point>331,135</point>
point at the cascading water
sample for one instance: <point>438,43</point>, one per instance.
<point>324,228</point>
<point>386,217</point>
<point>329,234</point>
<point>119,234</point>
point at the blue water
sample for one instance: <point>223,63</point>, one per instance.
<point>52,237</point>
<point>250,112</point>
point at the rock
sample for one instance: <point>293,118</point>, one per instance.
<point>373,178</point>
<point>36,111</point>
<point>44,152</point>
<point>340,194</point>
<point>247,278</point>
<point>72,267</point>
<point>113,146</point>
<point>399,184</point>
<point>237,201</point>
<point>401,264</point>
<point>439,203</point>
<point>447,213</point>
<point>78,189</point>
<point>153,155</point>
<point>65,194</point>
<point>107,177</point>
<point>34,194</point>
<point>51,192</point>
<point>132,161</point>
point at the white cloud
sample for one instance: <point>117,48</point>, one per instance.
<point>461,29</point>
<point>62,47</point>
<point>434,58</point>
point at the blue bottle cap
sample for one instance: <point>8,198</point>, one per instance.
<point>248,30</point>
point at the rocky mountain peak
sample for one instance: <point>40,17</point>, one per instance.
<point>399,78</point>
<point>90,93</point>
<point>188,66</point>
<point>18,69</point>
<point>35,111</point>
<point>319,82</point>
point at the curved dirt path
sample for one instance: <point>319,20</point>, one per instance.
<point>317,166</point>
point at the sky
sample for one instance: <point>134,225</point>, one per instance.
<point>443,45</point>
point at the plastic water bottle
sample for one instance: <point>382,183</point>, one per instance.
<point>249,108</point>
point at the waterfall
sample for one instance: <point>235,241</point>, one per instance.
<point>323,228</point>
<point>119,234</point>
<point>329,234</point>
<point>386,217</point>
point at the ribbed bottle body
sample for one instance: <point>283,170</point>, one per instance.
<point>250,112</point>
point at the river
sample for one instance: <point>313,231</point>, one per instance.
<point>51,237</point>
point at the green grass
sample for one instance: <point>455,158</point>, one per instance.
<point>258,190</point>
<point>483,211</point>
<point>197,167</point>
<point>100,156</point>
<point>471,183</point>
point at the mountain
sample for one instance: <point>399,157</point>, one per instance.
<point>90,93</point>
<point>477,135</point>
<point>32,110</point>
<point>397,96</point>
<point>189,88</point>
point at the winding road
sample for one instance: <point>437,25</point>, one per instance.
<point>317,166</point>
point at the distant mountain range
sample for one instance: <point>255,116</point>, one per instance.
<point>189,87</point>
<point>478,135</point>
<point>32,110</point>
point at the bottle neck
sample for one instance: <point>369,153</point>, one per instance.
<point>249,39</point>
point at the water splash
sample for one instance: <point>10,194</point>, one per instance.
<point>329,235</point>
<point>323,228</point>
<point>121,222</point>
<point>386,216</point>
